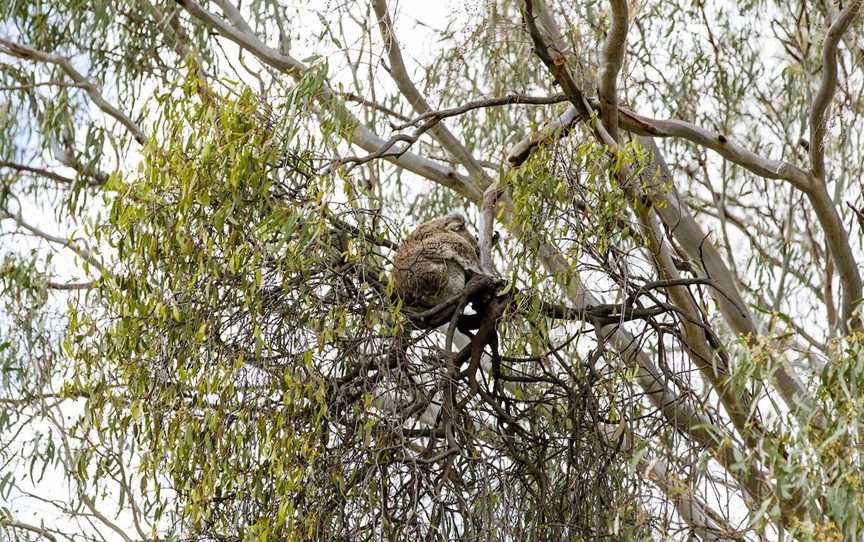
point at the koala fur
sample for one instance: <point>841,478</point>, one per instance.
<point>435,261</point>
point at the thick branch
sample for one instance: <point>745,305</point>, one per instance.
<point>725,147</point>
<point>613,57</point>
<point>554,61</point>
<point>838,241</point>
<point>829,219</point>
<point>835,233</point>
<point>822,101</point>
<point>645,126</point>
<point>70,285</point>
<point>555,129</point>
<point>490,203</point>
<point>702,251</point>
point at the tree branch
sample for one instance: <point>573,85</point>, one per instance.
<point>82,252</point>
<point>558,128</point>
<point>44,533</point>
<point>400,76</point>
<point>362,136</point>
<point>351,97</point>
<point>510,99</point>
<point>37,171</point>
<point>22,51</point>
<point>822,101</point>
<point>489,205</point>
<point>555,62</point>
<point>838,241</point>
<point>613,57</point>
<point>829,219</point>
<point>71,285</point>
<point>702,251</point>
<point>725,147</point>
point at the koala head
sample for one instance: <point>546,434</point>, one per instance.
<point>454,222</point>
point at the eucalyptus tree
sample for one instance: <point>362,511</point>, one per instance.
<point>200,337</point>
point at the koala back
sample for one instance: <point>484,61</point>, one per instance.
<point>429,266</point>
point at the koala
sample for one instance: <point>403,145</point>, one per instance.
<point>435,261</point>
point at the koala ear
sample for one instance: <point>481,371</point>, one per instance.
<point>457,225</point>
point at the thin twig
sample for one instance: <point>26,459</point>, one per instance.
<point>510,99</point>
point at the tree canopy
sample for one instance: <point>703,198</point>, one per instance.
<point>200,201</point>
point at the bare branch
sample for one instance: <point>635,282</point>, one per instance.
<point>555,129</point>
<point>400,76</point>
<point>510,99</point>
<point>387,149</point>
<point>22,51</point>
<point>555,62</point>
<point>37,171</point>
<point>40,531</point>
<point>725,147</point>
<point>613,57</point>
<point>704,253</point>
<point>822,101</point>
<point>82,252</point>
<point>838,241</point>
<point>489,205</point>
<point>71,285</point>
<point>431,120</point>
